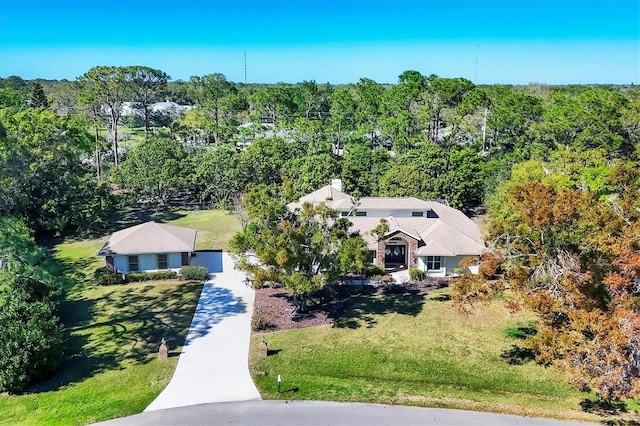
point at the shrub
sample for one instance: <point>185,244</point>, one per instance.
<point>162,275</point>
<point>103,277</point>
<point>151,276</point>
<point>374,270</point>
<point>417,274</point>
<point>31,346</point>
<point>135,277</point>
<point>198,273</point>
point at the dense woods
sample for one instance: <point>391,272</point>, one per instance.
<point>556,168</point>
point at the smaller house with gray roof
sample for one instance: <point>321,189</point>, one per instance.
<point>149,247</point>
<point>423,234</point>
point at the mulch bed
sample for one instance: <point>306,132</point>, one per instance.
<point>273,308</point>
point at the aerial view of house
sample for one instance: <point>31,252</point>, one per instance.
<point>149,247</point>
<point>427,235</point>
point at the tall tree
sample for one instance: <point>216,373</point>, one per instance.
<point>431,172</point>
<point>147,84</point>
<point>362,168</point>
<point>402,106</point>
<point>308,173</point>
<point>43,180</point>
<point>208,91</point>
<point>512,119</point>
<point>216,176</point>
<point>592,119</point>
<point>109,87</point>
<point>154,168</point>
<point>444,92</point>
<point>295,248</point>
<point>368,112</point>
<point>313,100</point>
<point>38,97</point>
<point>272,104</point>
<point>342,120</point>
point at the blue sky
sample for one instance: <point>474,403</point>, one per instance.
<point>493,41</point>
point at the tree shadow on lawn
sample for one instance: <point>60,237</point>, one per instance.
<point>130,327</point>
<point>118,221</point>
<point>71,272</point>
<point>356,311</point>
<point>604,407</point>
<point>518,355</point>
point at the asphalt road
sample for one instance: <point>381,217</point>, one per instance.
<point>308,413</point>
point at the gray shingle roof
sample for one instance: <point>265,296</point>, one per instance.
<point>150,237</point>
<point>327,195</point>
<point>446,232</point>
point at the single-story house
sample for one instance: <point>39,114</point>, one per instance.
<point>149,247</point>
<point>427,235</point>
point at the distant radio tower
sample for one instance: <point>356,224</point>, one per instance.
<point>245,67</point>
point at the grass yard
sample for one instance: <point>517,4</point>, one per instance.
<point>431,356</point>
<point>215,227</point>
<point>111,367</point>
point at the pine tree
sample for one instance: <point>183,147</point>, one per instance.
<point>38,98</point>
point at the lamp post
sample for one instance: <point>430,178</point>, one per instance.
<point>279,380</point>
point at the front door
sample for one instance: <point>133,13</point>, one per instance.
<point>395,256</point>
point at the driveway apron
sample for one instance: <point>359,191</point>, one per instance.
<point>213,365</point>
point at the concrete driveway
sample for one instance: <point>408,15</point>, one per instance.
<point>213,365</point>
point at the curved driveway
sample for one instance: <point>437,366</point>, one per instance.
<point>213,364</point>
<point>213,369</point>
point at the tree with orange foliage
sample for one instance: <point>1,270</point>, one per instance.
<point>573,256</point>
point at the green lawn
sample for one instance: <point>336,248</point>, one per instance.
<point>111,368</point>
<point>415,350</point>
<point>215,227</point>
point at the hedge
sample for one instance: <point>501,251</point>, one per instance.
<point>151,276</point>
<point>103,277</point>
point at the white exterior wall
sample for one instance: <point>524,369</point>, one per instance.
<point>147,262</point>
<point>391,212</point>
<point>421,263</point>
<point>448,265</point>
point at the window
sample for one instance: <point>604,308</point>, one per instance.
<point>373,256</point>
<point>343,214</point>
<point>163,262</point>
<point>433,263</point>
<point>134,264</point>
<point>361,213</point>
<point>417,214</point>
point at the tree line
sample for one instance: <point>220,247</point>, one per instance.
<point>564,236</point>
<point>554,166</point>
